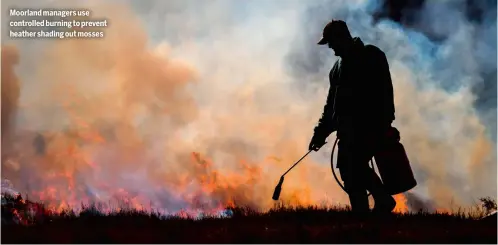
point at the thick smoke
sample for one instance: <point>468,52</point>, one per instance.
<point>10,91</point>
<point>189,104</point>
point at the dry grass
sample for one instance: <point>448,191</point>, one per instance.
<point>279,225</point>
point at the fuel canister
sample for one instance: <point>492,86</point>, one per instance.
<point>393,165</point>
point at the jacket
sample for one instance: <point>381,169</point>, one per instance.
<point>360,97</point>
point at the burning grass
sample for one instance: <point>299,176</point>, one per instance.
<point>27,222</point>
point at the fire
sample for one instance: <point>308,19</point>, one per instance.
<point>401,205</point>
<point>443,210</point>
<point>199,187</point>
<point>202,189</point>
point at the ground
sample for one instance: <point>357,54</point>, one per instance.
<point>282,225</point>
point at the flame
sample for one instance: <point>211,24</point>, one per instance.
<point>401,204</point>
<point>443,211</point>
<point>201,186</point>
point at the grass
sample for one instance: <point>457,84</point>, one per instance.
<point>278,225</point>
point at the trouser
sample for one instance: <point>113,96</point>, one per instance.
<point>358,177</point>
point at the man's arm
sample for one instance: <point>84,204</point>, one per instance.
<point>326,123</point>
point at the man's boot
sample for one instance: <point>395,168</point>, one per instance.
<point>384,204</point>
<point>359,203</point>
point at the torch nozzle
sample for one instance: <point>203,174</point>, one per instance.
<point>278,189</point>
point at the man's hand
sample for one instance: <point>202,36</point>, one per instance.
<point>316,142</point>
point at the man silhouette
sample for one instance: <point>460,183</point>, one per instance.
<point>360,107</point>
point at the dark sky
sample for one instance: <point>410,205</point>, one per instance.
<point>403,11</point>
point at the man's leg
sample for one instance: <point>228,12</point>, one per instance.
<point>353,181</point>
<point>356,191</point>
<point>359,177</point>
<point>384,202</point>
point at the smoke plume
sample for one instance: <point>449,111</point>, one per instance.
<point>10,91</point>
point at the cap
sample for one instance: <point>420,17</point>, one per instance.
<point>334,28</point>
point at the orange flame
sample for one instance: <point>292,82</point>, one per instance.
<point>401,205</point>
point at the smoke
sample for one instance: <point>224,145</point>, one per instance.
<point>195,104</point>
<point>10,91</point>
<point>416,204</point>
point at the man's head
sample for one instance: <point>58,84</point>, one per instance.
<point>336,34</point>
